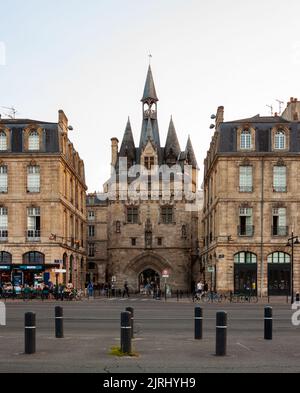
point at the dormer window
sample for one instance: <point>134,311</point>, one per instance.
<point>3,141</point>
<point>149,163</point>
<point>246,140</point>
<point>280,140</point>
<point>34,141</point>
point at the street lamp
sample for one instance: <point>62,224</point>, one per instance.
<point>293,240</point>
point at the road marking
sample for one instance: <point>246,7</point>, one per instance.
<point>243,346</point>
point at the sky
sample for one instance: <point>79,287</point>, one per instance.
<point>90,58</point>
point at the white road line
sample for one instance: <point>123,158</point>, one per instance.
<point>243,346</point>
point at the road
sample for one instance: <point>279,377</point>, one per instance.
<point>164,339</point>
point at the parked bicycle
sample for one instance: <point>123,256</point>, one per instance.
<point>243,298</point>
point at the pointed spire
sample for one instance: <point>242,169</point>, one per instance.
<point>190,154</point>
<point>172,143</point>
<point>149,132</point>
<point>128,146</point>
<point>149,91</point>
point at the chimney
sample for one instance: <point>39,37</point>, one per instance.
<point>63,120</point>
<point>114,151</point>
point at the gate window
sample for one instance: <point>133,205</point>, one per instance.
<point>279,257</point>
<point>245,258</point>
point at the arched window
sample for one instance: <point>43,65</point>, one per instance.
<point>3,141</point>
<point>280,140</point>
<point>5,258</point>
<point>34,141</point>
<point>279,258</point>
<point>34,258</point>
<point>246,140</point>
<point>245,258</point>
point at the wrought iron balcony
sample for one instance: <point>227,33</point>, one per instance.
<point>3,235</point>
<point>247,231</point>
<point>33,235</point>
<point>280,231</point>
<point>246,189</point>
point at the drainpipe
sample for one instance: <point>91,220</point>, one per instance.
<point>262,228</point>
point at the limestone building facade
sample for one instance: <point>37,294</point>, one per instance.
<point>147,232</point>
<point>42,204</point>
<point>251,204</point>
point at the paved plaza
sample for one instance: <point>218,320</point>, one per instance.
<point>164,338</point>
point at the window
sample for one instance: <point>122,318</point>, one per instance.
<point>118,227</point>
<point>279,180</point>
<point>3,224</point>
<point>167,215</point>
<point>91,250</point>
<point>183,232</point>
<point>91,230</point>
<point>3,141</point>
<point>280,140</point>
<point>149,162</point>
<point>279,257</point>
<point>92,266</point>
<point>91,215</point>
<point>3,179</point>
<point>246,140</point>
<point>133,241</point>
<point>246,222</point>
<point>279,227</point>
<point>33,179</point>
<point>246,179</point>
<point>132,215</point>
<point>245,258</point>
<point>33,258</point>
<point>33,223</point>
<point>5,258</point>
<point>34,141</point>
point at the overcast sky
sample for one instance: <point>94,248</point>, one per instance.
<point>90,59</point>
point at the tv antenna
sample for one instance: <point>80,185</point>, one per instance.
<point>271,109</point>
<point>11,112</point>
<point>281,103</point>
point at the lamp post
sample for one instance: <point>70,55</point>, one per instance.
<point>291,242</point>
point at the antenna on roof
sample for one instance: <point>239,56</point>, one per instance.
<point>12,112</point>
<point>271,109</point>
<point>281,103</point>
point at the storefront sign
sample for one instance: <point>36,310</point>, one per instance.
<point>211,269</point>
<point>5,267</point>
<point>29,267</point>
<point>58,271</point>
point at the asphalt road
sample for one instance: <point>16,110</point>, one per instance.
<point>164,339</point>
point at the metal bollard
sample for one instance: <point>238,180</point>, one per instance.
<point>198,323</point>
<point>221,334</point>
<point>30,333</point>
<point>131,310</point>
<point>268,323</point>
<point>126,332</point>
<point>177,295</point>
<point>297,297</point>
<point>59,322</point>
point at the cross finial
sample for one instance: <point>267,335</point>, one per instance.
<point>150,58</point>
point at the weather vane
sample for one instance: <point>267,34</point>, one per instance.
<point>150,58</point>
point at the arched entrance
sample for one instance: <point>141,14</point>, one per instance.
<point>245,273</point>
<point>149,281</point>
<point>279,274</point>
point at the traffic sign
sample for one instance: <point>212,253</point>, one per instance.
<point>58,271</point>
<point>165,273</point>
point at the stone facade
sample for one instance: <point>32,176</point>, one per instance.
<point>248,219</point>
<point>146,235</point>
<point>44,208</point>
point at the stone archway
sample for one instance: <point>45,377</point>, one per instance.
<point>146,261</point>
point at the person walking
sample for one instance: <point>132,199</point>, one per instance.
<point>91,290</point>
<point>126,290</point>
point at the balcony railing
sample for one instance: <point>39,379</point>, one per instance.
<point>246,231</point>
<point>3,235</point>
<point>246,189</point>
<point>280,189</point>
<point>33,190</point>
<point>280,231</point>
<point>33,235</point>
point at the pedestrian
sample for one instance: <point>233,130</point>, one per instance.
<point>126,290</point>
<point>90,289</point>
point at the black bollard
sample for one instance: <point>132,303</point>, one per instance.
<point>221,334</point>
<point>268,323</point>
<point>297,297</point>
<point>30,333</point>
<point>198,323</point>
<point>177,295</point>
<point>126,332</point>
<point>59,322</point>
<point>131,310</point>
